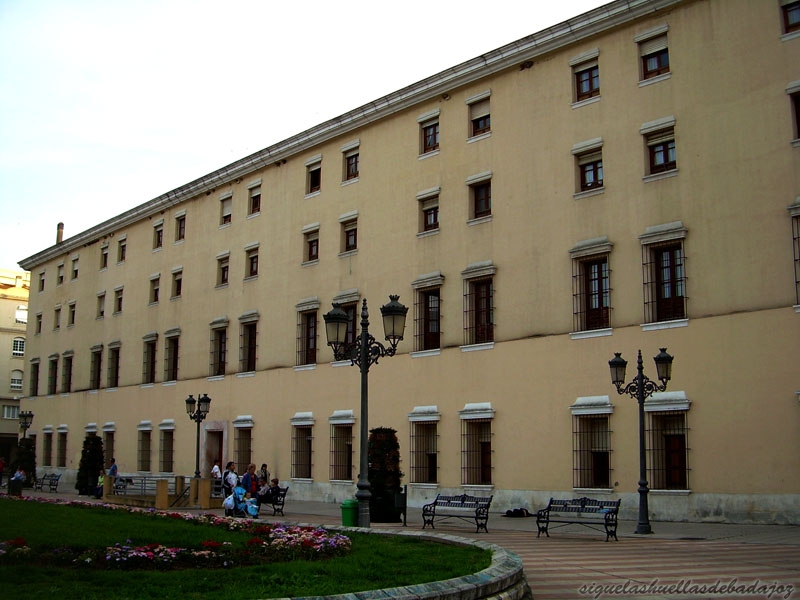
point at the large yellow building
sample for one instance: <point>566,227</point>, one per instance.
<point>625,180</point>
<point>14,288</point>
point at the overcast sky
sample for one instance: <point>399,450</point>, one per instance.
<point>106,104</point>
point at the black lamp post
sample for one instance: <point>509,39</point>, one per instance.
<point>198,415</point>
<point>640,388</point>
<point>365,352</point>
<point>25,420</point>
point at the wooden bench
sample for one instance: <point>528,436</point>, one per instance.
<point>464,507</point>
<point>278,501</point>
<point>579,511</point>
<point>50,480</point>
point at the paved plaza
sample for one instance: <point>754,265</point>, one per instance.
<point>679,560</point>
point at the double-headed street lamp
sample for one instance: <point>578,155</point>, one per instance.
<point>198,415</point>
<point>25,420</point>
<point>365,352</point>
<point>640,388</point>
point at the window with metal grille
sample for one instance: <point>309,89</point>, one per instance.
<point>243,446</point>
<point>427,323</point>
<point>591,451</point>
<point>219,350</point>
<point>302,444</point>
<point>796,245</point>
<point>113,367</point>
<point>61,449</point>
<point>664,281</point>
<point>307,337</point>
<point>171,358</point>
<point>47,450</point>
<point>66,375</point>
<point>96,365</point>
<point>18,347</point>
<point>341,461</point>
<point>143,450</point>
<point>108,446</point>
<point>591,293</point>
<point>476,451</point>
<point>668,450</point>
<point>149,361</point>
<point>167,451</point>
<point>424,452</point>
<point>247,348</point>
<point>52,376</point>
<point>34,382</point>
<point>478,311</point>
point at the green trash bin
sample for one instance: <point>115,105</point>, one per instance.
<point>350,513</point>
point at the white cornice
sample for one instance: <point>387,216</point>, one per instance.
<point>517,53</point>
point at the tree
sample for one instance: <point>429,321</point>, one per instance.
<point>384,474</point>
<point>90,465</point>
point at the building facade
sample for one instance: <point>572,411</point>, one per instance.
<point>625,180</point>
<point>14,288</point>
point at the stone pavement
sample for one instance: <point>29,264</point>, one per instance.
<point>679,560</point>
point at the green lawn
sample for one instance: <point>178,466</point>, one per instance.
<point>375,562</point>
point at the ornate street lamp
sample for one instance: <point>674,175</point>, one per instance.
<point>198,415</point>
<point>640,388</point>
<point>365,352</point>
<point>25,420</point>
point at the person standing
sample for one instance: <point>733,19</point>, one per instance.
<point>264,472</point>
<point>113,471</point>
<point>229,479</point>
<point>250,480</point>
<point>215,472</point>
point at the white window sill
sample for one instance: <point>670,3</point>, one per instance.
<point>342,482</point>
<point>656,79</point>
<point>479,220</point>
<point>589,193</point>
<point>310,263</point>
<point>790,36</point>
<point>797,308</point>
<point>671,492</point>
<point>313,194</point>
<point>477,347</point>
<point>665,325</point>
<point>350,181</point>
<point>145,386</point>
<point>796,143</point>
<point>424,486</point>
<point>479,137</point>
<point>586,102</point>
<point>347,253</point>
<point>429,154</point>
<point>475,487</point>
<point>310,367</point>
<point>172,382</point>
<point>251,278</point>
<point>581,490</point>
<point>301,479</point>
<point>591,333</point>
<point>425,353</point>
<point>246,374</point>
<point>215,378</point>
<point>660,176</point>
<point>253,215</point>
<point>424,234</point>
<point>224,225</point>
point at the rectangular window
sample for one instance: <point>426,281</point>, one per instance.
<point>41,281</point>
<point>314,177</point>
<point>350,236</point>
<point>307,338</point>
<point>478,312</point>
<point>74,272</point>
<point>341,465</point>
<point>113,366</point>
<point>591,293</point>
<point>57,318</point>
<point>667,446</point>
<point>476,451</point>
<point>251,263</point>
<point>180,228</point>
<point>158,236</point>
<point>254,206</point>
<point>16,381</point>
<point>796,246</point>
<point>155,288</point>
<point>101,305</point>
<point>424,452</point>
<point>11,412</point>
<point>34,382</point>
<point>429,213</point>
<point>47,450</point>
<point>72,311</point>
<point>481,195</point>
<point>117,301</point>
<point>223,266</point>
<point>591,449</point>
<point>243,446</point>
<point>430,136</point>
<point>590,170</point>
<point>351,164</point>
<point>664,281</point>
<point>351,309</point>
<point>219,351</point>
<point>39,323</point>
<point>166,458</point>
<point>661,152</point>
<point>427,319</point>
<point>587,80</point>
<point>122,250</point>
<point>59,274</point>
<point>654,56</point>
<point>312,246</point>
<point>61,449</point>
<point>302,445</point>
<point>171,358</point>
<point>248,347</point>
<point>143,451</point>
<point>794,98</point>
<point>791,16</point>
<point>149,361</point>
<point>96,364</point>
<point>480,120</point>
<point>103,257</point>
<point>108,446</point>
<point>225,210</point>
<point>18,347</point>
<point>66,374</point>
<point>177,284</point>
<point>52,376</point>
